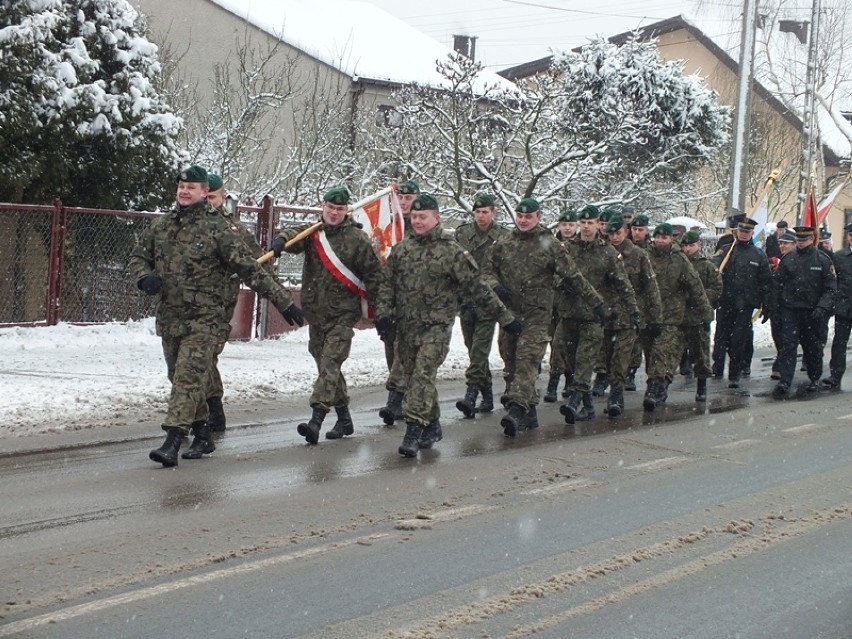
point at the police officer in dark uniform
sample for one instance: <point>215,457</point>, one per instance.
<point>842,314</point>
<point>773,247</point>
<point>806,288</point>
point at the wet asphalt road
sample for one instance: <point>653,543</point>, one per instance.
<point>726,520</point>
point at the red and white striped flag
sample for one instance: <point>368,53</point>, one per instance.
<point>825,206</point>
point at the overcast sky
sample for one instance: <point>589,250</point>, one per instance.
<point>511,32</point>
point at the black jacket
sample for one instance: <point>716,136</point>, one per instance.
<point>806,279</point>
<point>843,267</point>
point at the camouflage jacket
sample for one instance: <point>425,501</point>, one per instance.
<point>599,263</point>
<point>529,263</point>
<point>195,251</point>
<point>712,283</point>
<point>678,282</point>
<point>479,244</point>
<point>324,297</point>
<point>644,282</point>
<point>424,276</point>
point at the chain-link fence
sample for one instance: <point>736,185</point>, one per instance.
<point>25,262</point>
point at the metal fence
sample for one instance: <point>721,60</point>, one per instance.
<point>69,264</point>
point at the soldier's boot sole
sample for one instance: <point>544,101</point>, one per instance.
<point>310,432</point>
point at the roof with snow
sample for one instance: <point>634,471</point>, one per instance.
<point>835,130</point>
<point>357,38</point>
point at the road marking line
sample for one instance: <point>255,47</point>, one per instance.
<point>562,486</point>
<point>658,464</point>
<point>741,443</point>
<point>803,428</point>
<point>425,520</point>
<point>154,591</point>
<point>849,416</point>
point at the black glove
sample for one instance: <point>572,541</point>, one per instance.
<point>150,284</point>
<point>635,321</point>
<point>383,327</point>
<point>514,327</point>
<point>503,293</point>
<point>293,314</point>
<point>469,309</point>
<point>277,246</point>
<point>655,330</point>
<point>600,314</point>
<point>819,314</point>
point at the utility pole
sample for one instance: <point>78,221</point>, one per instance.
<point>739,157</point>
<point>809,136</point>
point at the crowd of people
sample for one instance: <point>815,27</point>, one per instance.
<point>603,291</point>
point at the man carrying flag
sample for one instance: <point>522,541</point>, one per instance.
<point>340,274</point>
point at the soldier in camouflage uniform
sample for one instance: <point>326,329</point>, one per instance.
<point>567,228</point>
<point>187,257</point>
<point>215,390</point>
<point>477,326</point>
<point>598,261</point>
<point>639,237</point>
<point>641,275</point>
<point>419,294</point>
<point>678,282</point>
<point>406,192</point>
<point>524,265</point>
<point>696,329</point>
<point>639,231</point>
<point>341,271</point>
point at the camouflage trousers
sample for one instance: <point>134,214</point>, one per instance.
<point>524,353</point>
<point>396,376</point>
<point>618,352</point>
<point>422,350</point>
<point>189,359</point>
<point>215,388</point>
<point>662,355</point>
<point>478,335</point>
<point>329,344</point>
<point>583,342</point>
<point>638,348</point>
<point>697,340</point>
<point>558,365</point>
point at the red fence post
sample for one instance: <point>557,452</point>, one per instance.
<point>56,264</point>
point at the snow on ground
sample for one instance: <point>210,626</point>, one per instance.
<point>75,377</point>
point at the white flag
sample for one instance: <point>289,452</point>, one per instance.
<point>760,215</point>
<point>381,218</point>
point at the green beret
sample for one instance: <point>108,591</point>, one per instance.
<point>589,212</point>
<point>663,229</point>
<point>746,224</point>
<point>607,213</point>
<point>690,237</point>
<point>425,202</point>
<point>803,232</point>
<point>192,173</point>
<point>615,223</point>
<point>337,195</point>
<point>640,220</point>
<point>409,187</point>
<point>483,200</point>
<point>528,205</point>
<point>214,182</point>
<point>567,215</point>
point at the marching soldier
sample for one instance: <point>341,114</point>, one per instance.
<point>524,265</point>
<point>639,231</point>
<point>419,294</point>
<point>806,287</point>
<point>341,271</point>
<point>842,315</point>
<point>567,227</point>
<point>477,326</point>
<point>696,329</point>
<point>187,257</point>
<point>678,283</point>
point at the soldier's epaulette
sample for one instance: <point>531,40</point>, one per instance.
<point>448,234</point>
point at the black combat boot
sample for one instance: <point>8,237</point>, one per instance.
<point>566,390</point>
<point>504,398</point>
<point>552,387</point>
<point>780,391</point>
<point>615,403</point>
<point>431,434</point>
<point>411,440</point>
<point>167,454</point>
<point>831,383</point>
<point>343,426</point>
<point>599,385</point>
<point>202,441</point>
<point>311,430</point>
<point>530,420</point>
<point>468,404</point>
<point>393,410</point>
<point>486,405</point>
<point>701,390</point>
<point>630,382</point>
<point>215,414</point>
<point>588,411</point>
<point>572,408</point>
<point>652,394</point>
<point>512,420</point>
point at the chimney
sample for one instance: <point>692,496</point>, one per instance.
<point>466,45</point>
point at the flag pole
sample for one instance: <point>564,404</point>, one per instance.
<point>770,182</point>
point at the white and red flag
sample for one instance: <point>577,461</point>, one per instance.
<point>381,218</point>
